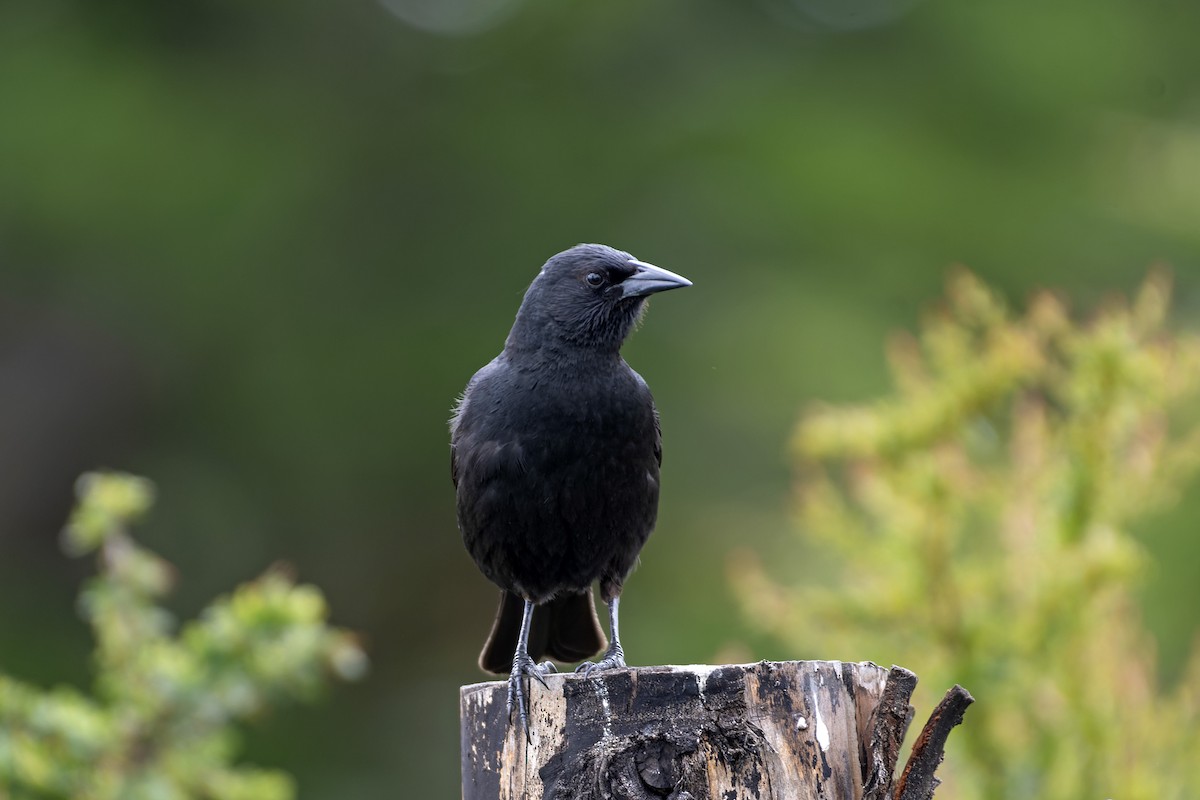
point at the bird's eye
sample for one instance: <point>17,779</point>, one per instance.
<point>594,279</point>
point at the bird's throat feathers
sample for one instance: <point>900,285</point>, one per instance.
<point>548,321</point>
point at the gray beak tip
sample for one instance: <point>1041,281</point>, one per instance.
<point>650,279</point>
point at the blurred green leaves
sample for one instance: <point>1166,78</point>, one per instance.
<point>113,501</point>
<point>981,519</point>
<point>161,723</point>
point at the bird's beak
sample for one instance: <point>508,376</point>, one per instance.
<point>650,279</point>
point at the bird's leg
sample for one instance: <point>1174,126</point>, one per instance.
<point>524,665</point>
<point>614,656</point>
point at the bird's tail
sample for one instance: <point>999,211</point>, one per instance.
<point>565,629</point>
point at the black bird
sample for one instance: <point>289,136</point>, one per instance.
<point>555,451</point>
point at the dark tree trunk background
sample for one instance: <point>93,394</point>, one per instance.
<point>800,730</point>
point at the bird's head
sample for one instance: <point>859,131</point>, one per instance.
<point>590,296</point>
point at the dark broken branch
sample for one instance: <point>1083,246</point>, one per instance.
<point>919,781</point>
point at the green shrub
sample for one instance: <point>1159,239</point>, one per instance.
<point>979,521</point>
<point>160,724</point>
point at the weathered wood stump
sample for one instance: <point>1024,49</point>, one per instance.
<point>823,730</point>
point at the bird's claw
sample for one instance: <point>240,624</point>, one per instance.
<point>524,665</point>
<point>613,659</point>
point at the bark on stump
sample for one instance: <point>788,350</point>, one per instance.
<point>801,730</point>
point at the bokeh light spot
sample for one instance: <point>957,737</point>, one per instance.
<point>452,17</point>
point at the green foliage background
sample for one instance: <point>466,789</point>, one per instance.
<point>255,250</point>
<point>981,519</point>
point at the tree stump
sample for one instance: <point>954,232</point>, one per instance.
<point>800,730</point>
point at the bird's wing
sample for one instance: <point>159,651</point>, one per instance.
<point>657,438</point>
<point>455,416</point>
<point>460,408</point>
<point>649,399</point>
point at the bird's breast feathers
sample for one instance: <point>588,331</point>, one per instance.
<point>510,426</point>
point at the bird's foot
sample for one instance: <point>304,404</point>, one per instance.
<point>614,658</point>
<point>524,665</point>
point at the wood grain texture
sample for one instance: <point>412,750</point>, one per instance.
<point>802,730</point>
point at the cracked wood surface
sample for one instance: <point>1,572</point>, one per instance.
<point>800,730</point>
